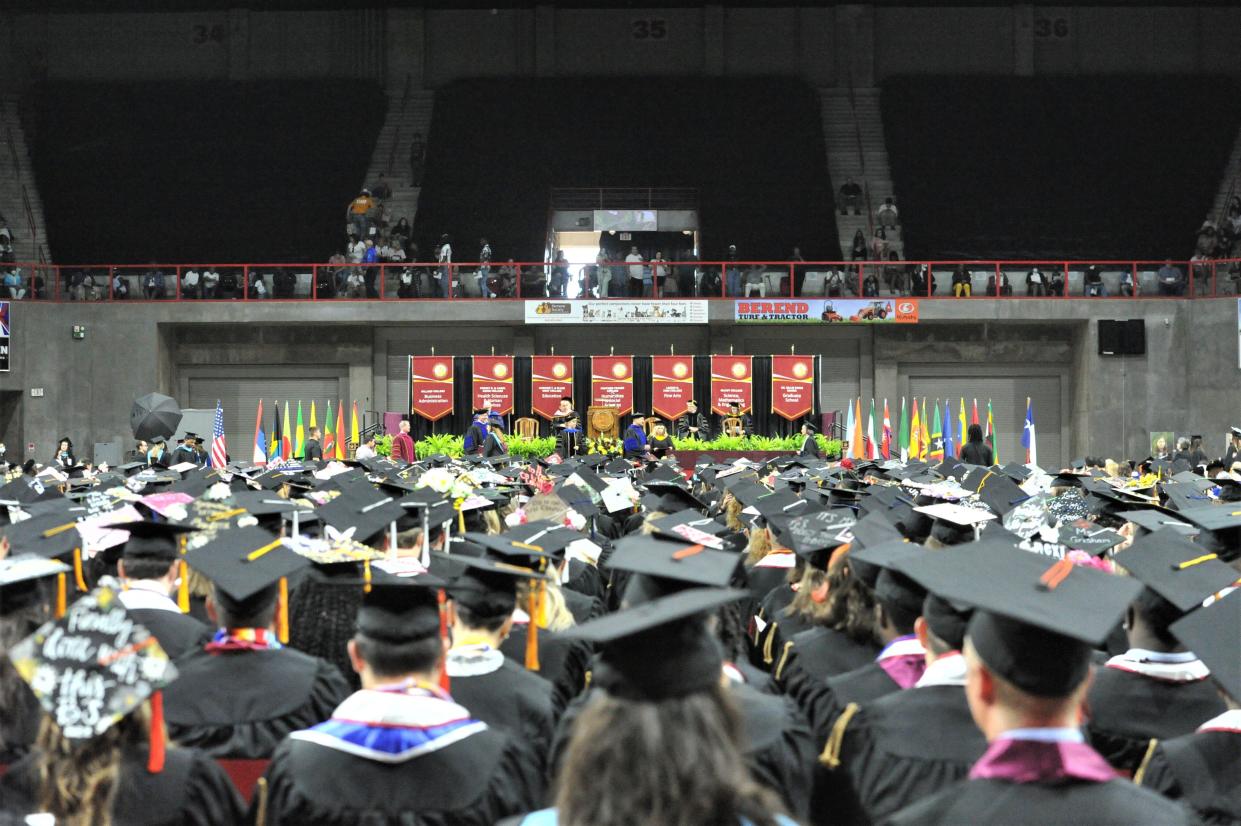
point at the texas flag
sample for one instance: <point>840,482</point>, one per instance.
<point>1029,438</point>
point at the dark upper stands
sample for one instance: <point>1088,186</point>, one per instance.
<point>1102,167</point>
<point>202,171</point>
<point>753,148</point>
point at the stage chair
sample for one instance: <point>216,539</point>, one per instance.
<point>526,428</point>
<point>732,427</point>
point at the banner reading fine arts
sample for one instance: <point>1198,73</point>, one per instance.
<point>672,385</point>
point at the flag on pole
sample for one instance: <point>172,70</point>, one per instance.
<point>274,452</point>
<point>915,434</point>
<point>260,439</point>
<point>991,437</point>
<point>936,452</point>
<point>926,428</point>
<point>887,432</point>
<point>1029,439</point>
<point>286,436</point>
<point>354,435</point>
<point>950,439</point>
<point>313,422</point>
<point>847,448</point>
<point>329,435</point>
<point>903,436</point>
<point>962,431</point>
<point>975,419</point>
<point>872,450</point>
<point>340,430</point>
<point>299,444</point>
<point>219,453</point>
<point>859,441</point>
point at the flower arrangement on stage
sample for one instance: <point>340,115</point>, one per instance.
<point>451,446</point>
<point>604,446</point>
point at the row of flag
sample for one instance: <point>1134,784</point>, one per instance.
<point>926,434</point>
<point>290,442</point>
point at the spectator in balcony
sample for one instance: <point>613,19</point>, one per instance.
<point>77,289</point>
<point>1200,269</point>
<point>120,286</point>
<point>1006,286</point>
<point>507,287</point>
<point>1171,279</point>
<point>356,251</point>
<point>894,274</point>
<point>659,271</point>
<point>870,285</point>
<point>230,284</point>
<point>962,282</point>
<point>189,283</point>
<point>1092,282</point>
<point>919,278</point>
<point>407,284</point>
<point>850,197</point>
<point>879,245</point>
<point>635,271</point>
<point>6,234</point>
<point>858,252</point>
<point>754,281</point>
<point>1057,282</point>
<point>560,276</point>
<point>1207,238</point>
<point>284,283</point>
<point>484,269</point>
<point>381,190</point>
<point>1036,282</point>
<point>13,284</point>
<point>417,159</point>
<point>835,284</point>
<point>603,274</point>
<point>7,256</point>
<point>799,273</point>
<point>153,285</point>
<point>1127,286</point>
<point>686,281</point>
<point>887,213</point>
<point>371,258</point>
<point>533,282</point>
<point>732,272</point>
<point>443,275</point>
<point>357,211</point>
<point>211,282</point>
<point>257,288</point>
<point>401,232</point>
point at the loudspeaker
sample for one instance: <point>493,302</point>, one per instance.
<point>1109,338</point>
<point>1122,338</point>
<point>1133,337</point>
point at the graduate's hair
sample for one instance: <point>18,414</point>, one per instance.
<point>393,659</point>
<point>15,626</point>
<point>255,611</point>
<point>674,762</point>
<point>1158,614</point>
<point>559,617</point>
<point>146,568</point>
<point>758,547</point>
<point>732,514</point>
<point>489,621</point>
<point>850,603</point>
<point>809,581</point>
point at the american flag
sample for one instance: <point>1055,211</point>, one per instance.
<point>219,453</point>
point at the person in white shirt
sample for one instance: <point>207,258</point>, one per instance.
<point>210,281</point>
<point>887,213</point>
<point>189,284</point>
<point>635,259</point>
<point>443,275</point>
<point>366,450</point>
<point>484,269</point>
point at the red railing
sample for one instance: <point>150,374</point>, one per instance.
<point>622,279</point>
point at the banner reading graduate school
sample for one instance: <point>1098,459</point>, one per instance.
<point>731,381</point>
<point>430,388</point>
<point>828,311</point>
<point>672,384</point>
<point>792,386</point>
<point>611,382</point>
<point>493,383</point>
<point>551,378</point>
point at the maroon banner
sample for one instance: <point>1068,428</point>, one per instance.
<point>493,383</point>
<point>551,378</point>
<point>430,387</point>
<point>731,381</point>
<point>672,384</point>
<point>611,382</point>
<point>792,386</point>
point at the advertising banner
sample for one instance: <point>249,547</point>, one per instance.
<point>616,311</point>
<point>430,391</point>
<point>493,383</point>
<point>828,311</point>
<point>611,382</point>
<point>731,381</point>
<point>5,336</point>
<point>672,384</point>
<point>792,386</point>
<point>551,378</point>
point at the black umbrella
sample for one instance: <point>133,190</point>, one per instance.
<point>154,415</point>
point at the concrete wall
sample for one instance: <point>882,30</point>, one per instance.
<point>1188,381</point>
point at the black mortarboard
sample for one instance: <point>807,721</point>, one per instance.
<point>1151,520</point>
<point>367,513</point>
<point>1084,535</point>
<point>748,492</point>
<point>780,503</point>
<point>946,619</point>
<point>486,587</point>
<point>1221,528</point>
<point>1214,635</point>
<point>153,540</point>
<point>241,562</point>
<point>1176,569</point>
<point>51,535</point>
<point>814,535</point>
<point>664,566</point>
<point>401,610</point>
<point>667,497</point>
<point>1001,493</point>
<point>872,529</point>
<point>890,585</point>
<point>1184,496</point>
<point>20,580</point>
<point>1016,471</point>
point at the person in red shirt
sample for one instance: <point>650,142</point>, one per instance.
<point>403,444</point>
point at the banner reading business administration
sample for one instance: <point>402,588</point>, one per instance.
<point>731,381</point>
<point>551,378</point>
<point>611,382</point>
<point>430,389</point>
<point>792,386</point>
<point>672,384</point>
<point>493,383</point>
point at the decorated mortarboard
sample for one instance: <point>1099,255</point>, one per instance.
<point>244,561</point>
<point>1084,535</point>
<point>691,526</point>
<point>153,540</point>
<point>1068,507</point>
<point>1214,635</point>
<point>956,515</point>
<point>813,536</point>
<point>549,538</point>
<point>1153,519</point>
<point>361,515</point>
<point>21,580</point>
<point>1176,569</point>
<point>1000,493</point>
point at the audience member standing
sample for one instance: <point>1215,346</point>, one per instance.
<point>634,259</point>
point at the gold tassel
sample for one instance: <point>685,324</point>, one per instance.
<point>768,655</point>
<point>282,610</point>
<point>366,576</point>
<point>1146,761</point>
<point>532,633</point>
<point>183,587</point>
<point>542,604</point>
<point>784,659</point>
<point>78,579</point>
<point>831,752</point>
<point>61,603</point>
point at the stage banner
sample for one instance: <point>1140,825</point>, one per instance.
<point>731,381</point>
<point>551,378</point>
<point>493,383</point>
<point>792,386</point>
<point>616,311</point>
<point>672,384</point>
<point>5,333</point>
<point>611,382</point>
<point>430,389</point>
<point>828,311</point>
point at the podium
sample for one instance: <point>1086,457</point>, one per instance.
<point>602,421</point>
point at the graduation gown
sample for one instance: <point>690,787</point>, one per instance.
<point>1201,770</point>
<point>192,790</point>
<point>770,572</point>
<point>1131,702</point>
<point>19,723</point>
<point>241,704</point>
<point>821,653</point>
<point>581,606</point>
<point>634,444</point>
<point>493,447</point>
<point>384,759</point>
<point>178,633</point>
<point>568,442</point>
<point>810,447</point>
<point>585,578</point>
<point>773,625</point>
<point>562,661</point>
<point>503,695</point>
<point>475,436</point>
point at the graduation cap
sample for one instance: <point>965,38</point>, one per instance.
<point>549,538</point>
<point>153,540</point>
<point>486,587</point>
<point>402,610</point>
<point>954,524</point>
<point>1036,619</point>
<point>1176,569</point>
<point>366,514</point>
<point>1214,635</point>
<point>1155,519</point>
<point>891,586</point>
<point>1084,535</point>
<point>691,526</point>
<point>1184,496</point>
<point>660,649</point>
<point>21,580</point>
<point>872,529</point>
<point>813,536</point>
<point>103,666</point>
<point>748,492</point>
<point>1221,528</point>
<point>1000,493</point>
<point>1017,471</point>
<point>669,497</point>
<point>665,566</point>
<point>781,503</point>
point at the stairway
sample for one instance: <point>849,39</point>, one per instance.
<point>19,196</point>
<point>1229,181</point>
<point>409,114</point>
<point>843,122</point>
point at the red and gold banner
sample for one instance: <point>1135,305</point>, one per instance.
<point>611,382</point>
<point>792,386</point>
<point>672,384</point>
<point>493,383</point>
<point>430,391</point>
<point>551,378</point>
<point>732,381</point>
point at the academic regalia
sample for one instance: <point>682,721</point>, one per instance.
<point>563,661</point>
<point>1200,770</point>
<point>634,444</point>
<point>810,447</point>
<point>770,572</point>
<point>769,622</point>
<point>185,453</point>
<point>660,446</point>
<point>493,446</point>
<point>475,436</point>
<point>568,442</point>
<point>821,653</point>
<point>698,420</point>
<point>178,634</point>
<point>585,578</point>
<point>503,695</point>
<point>322,611</point>
<point>581,606</point>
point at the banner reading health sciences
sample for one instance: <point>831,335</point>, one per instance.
<point>829,311</point>
<point>611,382</point>
<point>672,384</point>
<point>493,383</point>
<point>551,378</point>
<point>792,386</point>
<point>430,392</point>
<point>731,381</point>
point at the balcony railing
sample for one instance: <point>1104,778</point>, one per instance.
<point>1008,280</point>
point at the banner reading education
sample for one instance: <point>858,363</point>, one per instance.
<point>828,311</point>
<point>551,378</point>
<point>672,384</point>
<point>731,381</point>
<point>611,382</point>
<point>792,386</point>
<point>430,386</point>
<point>493,383</point>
